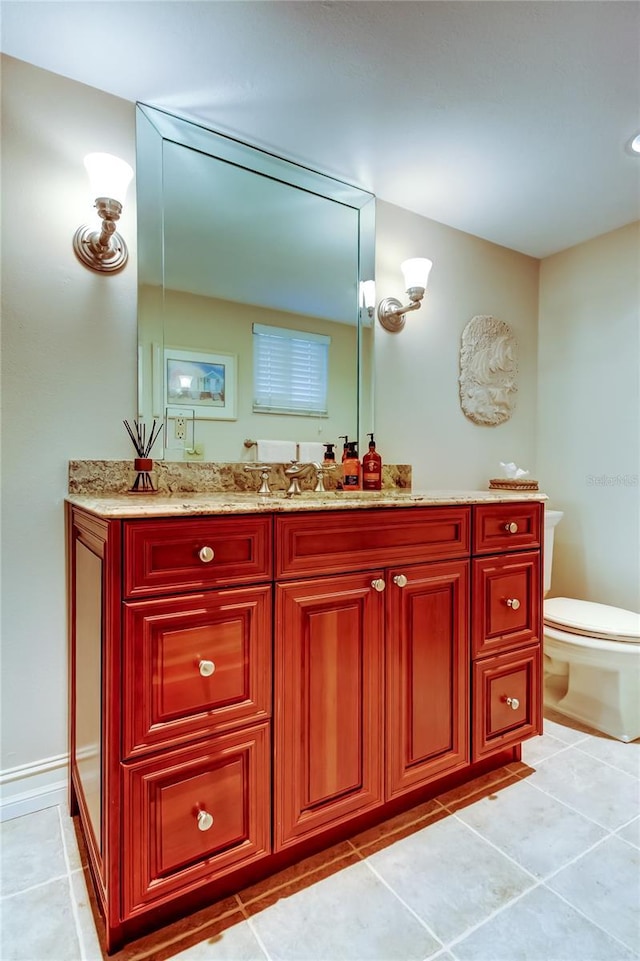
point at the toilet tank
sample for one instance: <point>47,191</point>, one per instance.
<point>551,518</point>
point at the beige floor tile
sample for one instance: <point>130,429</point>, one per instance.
<point>301,873</point>
<point>540,927</point>
<point>625,757</point>
<point>350,915</point>
<point>38,925</point>
<point>631,832</point>
<point>31,851</point>
<point>564,728</point>
<point>605,885</point>
<point>236,943</point>
<point>538,748</point>
<point>449,876</point>
<point>606,795</point>
<point>478,787</point>
<point>536,830</point>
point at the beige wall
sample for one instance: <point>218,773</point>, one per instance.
<point>204,323</point>
<point>589,415</point>
<point>418,414</point>
<point>68,377</point>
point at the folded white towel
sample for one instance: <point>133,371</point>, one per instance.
<point>310,453</point>
<point>276,451</point>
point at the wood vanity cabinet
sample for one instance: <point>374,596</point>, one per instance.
<point>371,667</point>
<point>245,687</point>
<point>505,626</point>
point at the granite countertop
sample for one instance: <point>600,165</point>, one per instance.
<point>181,505</point>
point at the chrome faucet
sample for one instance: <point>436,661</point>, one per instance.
<point>296,470</point>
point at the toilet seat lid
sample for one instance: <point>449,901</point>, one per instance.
<point>591,619</point>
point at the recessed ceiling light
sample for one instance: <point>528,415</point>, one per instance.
<point>635,143</point>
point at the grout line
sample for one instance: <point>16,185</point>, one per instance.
<point>256,935</point>
<point>74,905</point>
<point>490,917</point>
<point>610,764</point>
<point>591,920</point>
<point>285,884</point>
<point>422,923</point>
<point>576,810</point>
<point>34,887</point>
<point>498,849</point>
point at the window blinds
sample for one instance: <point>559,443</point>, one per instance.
<point>290,371</point>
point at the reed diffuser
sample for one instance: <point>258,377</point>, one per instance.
<point>143,464</point>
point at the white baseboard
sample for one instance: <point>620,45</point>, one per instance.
<point>33,787</point>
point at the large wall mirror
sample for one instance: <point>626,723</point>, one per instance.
<point>249,317</point>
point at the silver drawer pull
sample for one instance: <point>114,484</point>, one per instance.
<point>206,668</point>
<point>401,580</point>
<point>513,703</point>
<point>513,603</point>
<point>205,820</point>
<point>511,528</point>
<point>378,584</point>
<point>206,554</point>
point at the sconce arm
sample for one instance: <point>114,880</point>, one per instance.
<point>391,312</point>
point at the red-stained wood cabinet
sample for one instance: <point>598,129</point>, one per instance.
<point>243,686</point>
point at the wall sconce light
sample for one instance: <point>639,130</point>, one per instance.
<point>104,250</point>
<point>368,296</point>
<point>416,275</point>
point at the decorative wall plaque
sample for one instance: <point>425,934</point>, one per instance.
<point>488,371</point>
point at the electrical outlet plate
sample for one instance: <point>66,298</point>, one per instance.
<point>180,428</point>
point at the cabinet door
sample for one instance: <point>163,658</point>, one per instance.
<point>195,665</point>
<point>194,815</point>
<point>427,673</point>
<point>507,701</point>
<point>328,703</point>
<point>506,590</point>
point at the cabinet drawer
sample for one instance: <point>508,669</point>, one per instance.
<point>507,703</point>
<point>506,591</point>
<point>195,665</point>
<point>194,815</point>
<point>343,541</point>
<point>175,555</point>
<point>506,527</point>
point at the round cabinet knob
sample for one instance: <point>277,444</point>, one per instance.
<point>400,580</point>
<point>513,603</point>
<point>511,528</point>
<point>206,668</point>
<point>205,820</point>
<point>378,584</point>
<point>513,703</point>
<point>206,554</point>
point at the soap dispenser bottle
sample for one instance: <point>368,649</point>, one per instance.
<point>372,468</point>
<point>351,468</point>
<point>329,454</point>
<point>345,446</point>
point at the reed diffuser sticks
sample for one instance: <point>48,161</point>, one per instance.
<point>143,464</point>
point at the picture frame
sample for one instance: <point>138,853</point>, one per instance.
<point>202,381</point>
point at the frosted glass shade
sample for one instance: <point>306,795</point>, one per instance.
<point>108,176</point>
<point>416,272</point>
<point>367,294</point>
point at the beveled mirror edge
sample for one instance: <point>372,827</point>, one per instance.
<point>196,135</point>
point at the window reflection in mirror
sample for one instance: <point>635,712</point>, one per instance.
<point>232,239</point>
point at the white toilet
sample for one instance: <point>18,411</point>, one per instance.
<point>591,657</point>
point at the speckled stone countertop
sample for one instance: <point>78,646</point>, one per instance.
<point>182,505</point>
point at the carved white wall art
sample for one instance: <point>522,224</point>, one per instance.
<point>488,371</point>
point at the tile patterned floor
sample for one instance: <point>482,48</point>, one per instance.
<point>539,861</point>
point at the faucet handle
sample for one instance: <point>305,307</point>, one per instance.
<point>264,469</point>
<point>320,469</point>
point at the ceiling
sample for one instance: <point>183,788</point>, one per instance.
<point>510,120</point>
